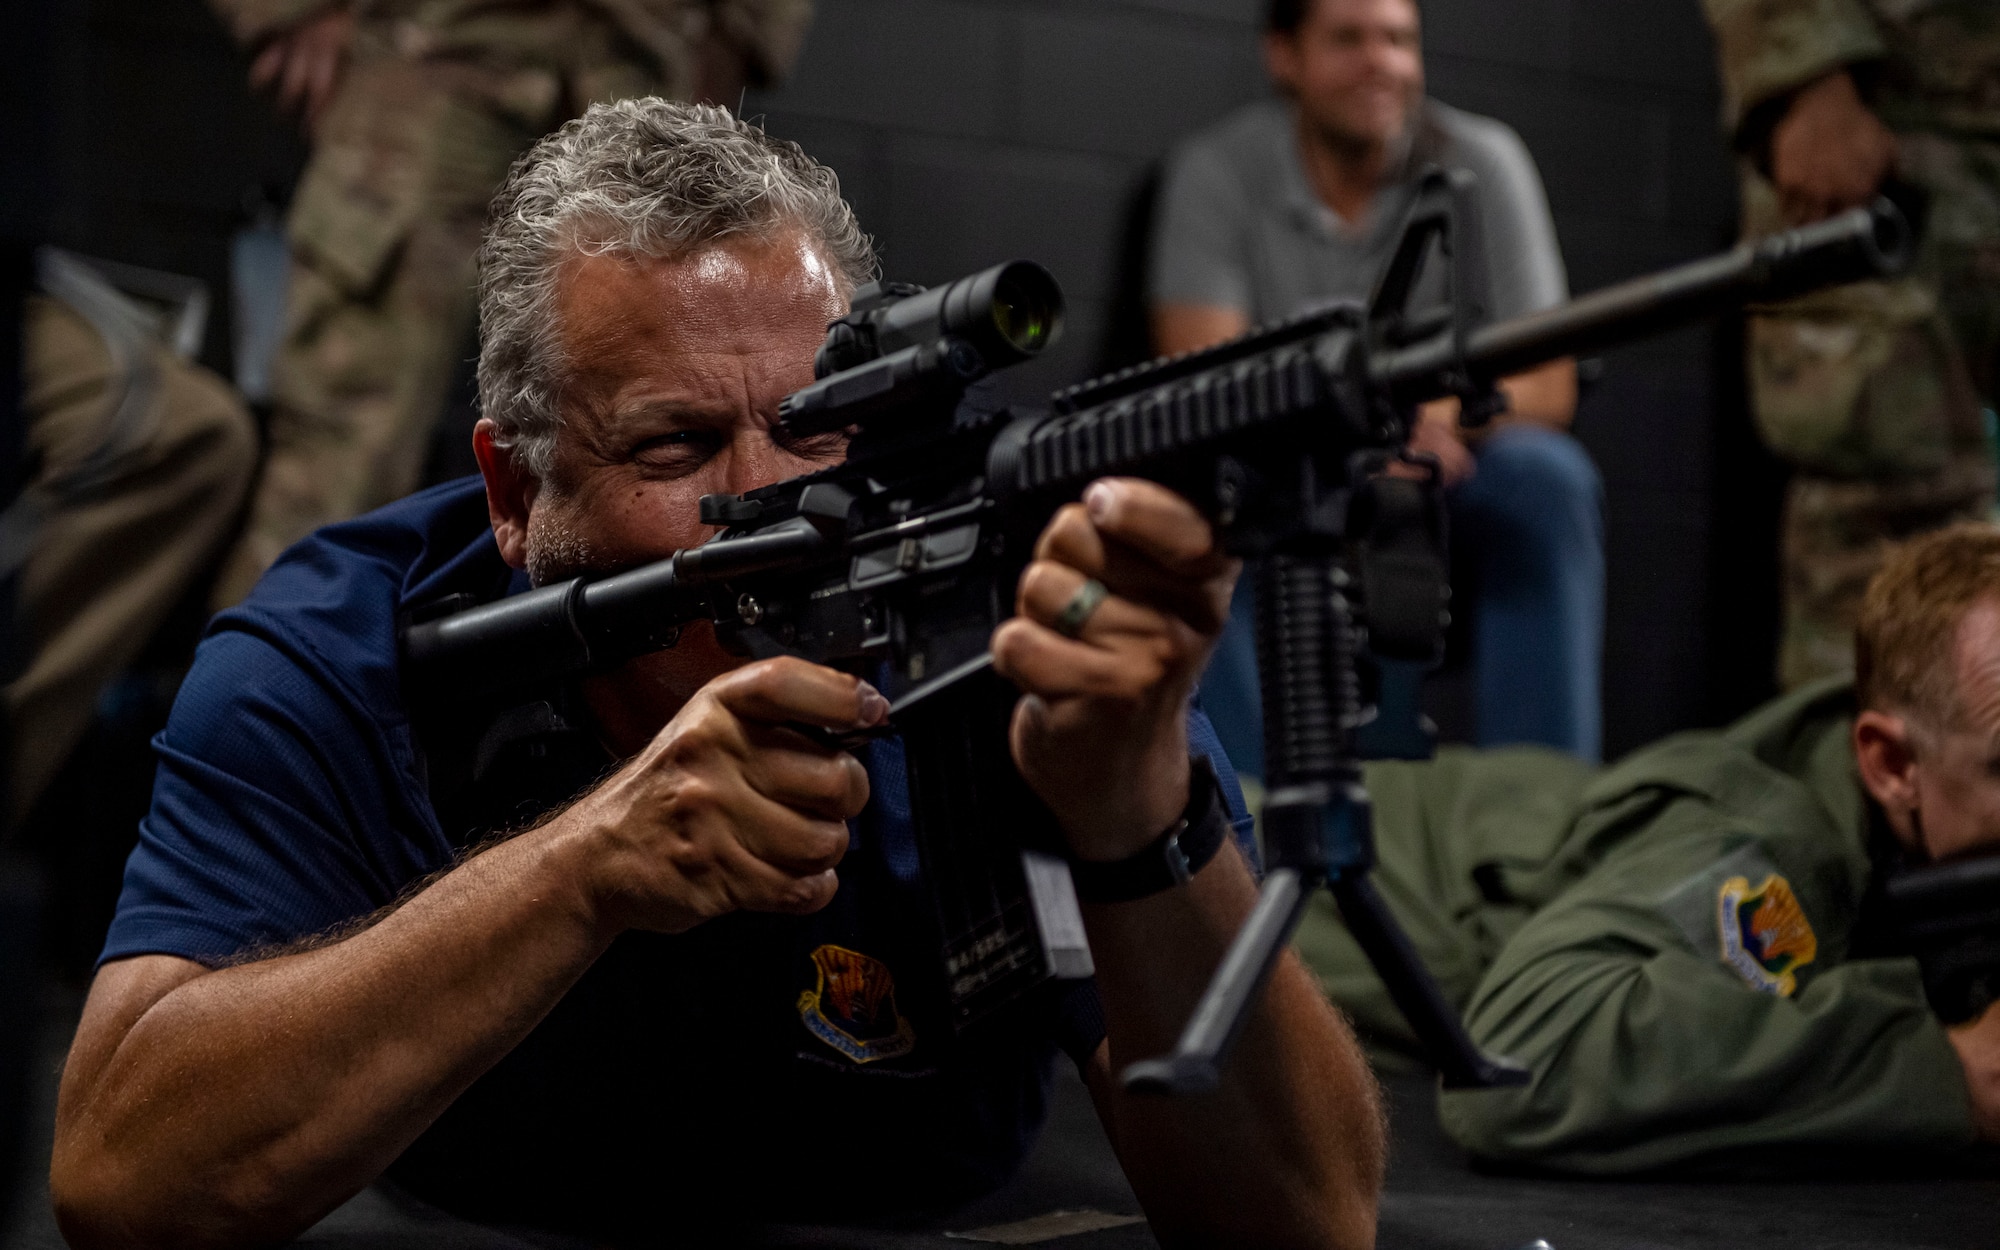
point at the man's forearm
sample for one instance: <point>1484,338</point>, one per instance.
<point>247,1102</point>
<point>1288,1152</point>
<point>1544,395</point>
<point>1181,328</point>
<point>230,1107</point>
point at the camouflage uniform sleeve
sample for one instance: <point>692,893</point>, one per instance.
<point>1770,48</point>
<point>768,32</point>
<point>1651,1045</point>
<point>254,21</point>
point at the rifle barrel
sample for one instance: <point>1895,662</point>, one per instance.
<point>560,630</point>
<point>1861,243</point>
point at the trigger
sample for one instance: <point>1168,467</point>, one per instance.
<point>763,645</point>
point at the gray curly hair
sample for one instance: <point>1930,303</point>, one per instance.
<point>644,177</point>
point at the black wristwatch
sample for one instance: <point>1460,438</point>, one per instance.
<point>1168,860</point>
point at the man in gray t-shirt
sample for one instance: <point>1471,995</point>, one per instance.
<point>1293,202</point>
<point>1240,228</point>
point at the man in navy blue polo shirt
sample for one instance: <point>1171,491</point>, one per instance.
<point>696,992</point>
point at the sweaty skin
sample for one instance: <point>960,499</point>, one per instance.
<point>643,443</point>
<point>1355,73</point>
<point>236,1106</point>
<point>1939,787</point>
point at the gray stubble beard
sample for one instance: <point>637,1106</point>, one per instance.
<point>556,550</point>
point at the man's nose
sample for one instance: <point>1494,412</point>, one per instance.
<point>1386,55</point>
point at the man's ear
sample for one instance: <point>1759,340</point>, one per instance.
<point>1281,60</point>
<point>510,493</point>
<point>1886,758</point>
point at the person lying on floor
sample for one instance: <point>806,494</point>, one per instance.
<point>1688,949</point>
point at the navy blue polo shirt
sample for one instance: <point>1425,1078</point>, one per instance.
<point>809,1055</point>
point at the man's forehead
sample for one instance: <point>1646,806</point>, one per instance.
<point>1976,666</point>
<point>709,294</point>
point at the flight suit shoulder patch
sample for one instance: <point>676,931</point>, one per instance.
<point>1742,911</point>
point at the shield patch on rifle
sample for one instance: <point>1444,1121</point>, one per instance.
<point>1765,934</point>
<point>853,1009</point>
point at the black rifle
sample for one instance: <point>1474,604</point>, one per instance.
<point>1948,914</point>
<point>899,563</point>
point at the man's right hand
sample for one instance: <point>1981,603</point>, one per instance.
<point>1978,1045</point>
<point>1829,153</point>
<point>236,1105</point>
<point>727,809</point>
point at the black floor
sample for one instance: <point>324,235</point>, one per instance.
<point>1434,1201</point>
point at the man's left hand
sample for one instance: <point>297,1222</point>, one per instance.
<point>1437,433</point>
<point>720,74</point>
<point>303,65</point>
<point>1829,152</point>
<point>1101,734</point>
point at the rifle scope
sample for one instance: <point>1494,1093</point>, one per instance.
<point>1009,313</point>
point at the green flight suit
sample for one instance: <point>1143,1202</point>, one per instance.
<point>1873,391</point>
<point>435,101</point>
<point>1664,944</point>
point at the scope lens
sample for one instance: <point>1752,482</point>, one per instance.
<point>1024,313</point>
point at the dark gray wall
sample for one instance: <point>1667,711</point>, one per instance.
<point>967,131</point>
<point>157,141</point>
<point>970,131</point>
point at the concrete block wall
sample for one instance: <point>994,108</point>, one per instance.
<point>972,131</point>
<point>157,141</point>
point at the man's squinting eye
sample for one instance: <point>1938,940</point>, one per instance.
<point>681,451</point>
<point>678,448</point>
<point>828,446</point>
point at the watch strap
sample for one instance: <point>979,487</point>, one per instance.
<point>1170,860</point>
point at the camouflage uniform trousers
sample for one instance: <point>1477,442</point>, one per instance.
<point>385,229</point>
<point>1874,394</point>
<point>124,526</point>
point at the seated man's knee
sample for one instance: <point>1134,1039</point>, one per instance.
<point>1538,462</point>
<point>1537,485</point>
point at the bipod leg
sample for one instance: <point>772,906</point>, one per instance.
<point>1460,1063</point>
<point>1318,827</point>
<point>1195,1066</point>
<point>1304,661</point>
